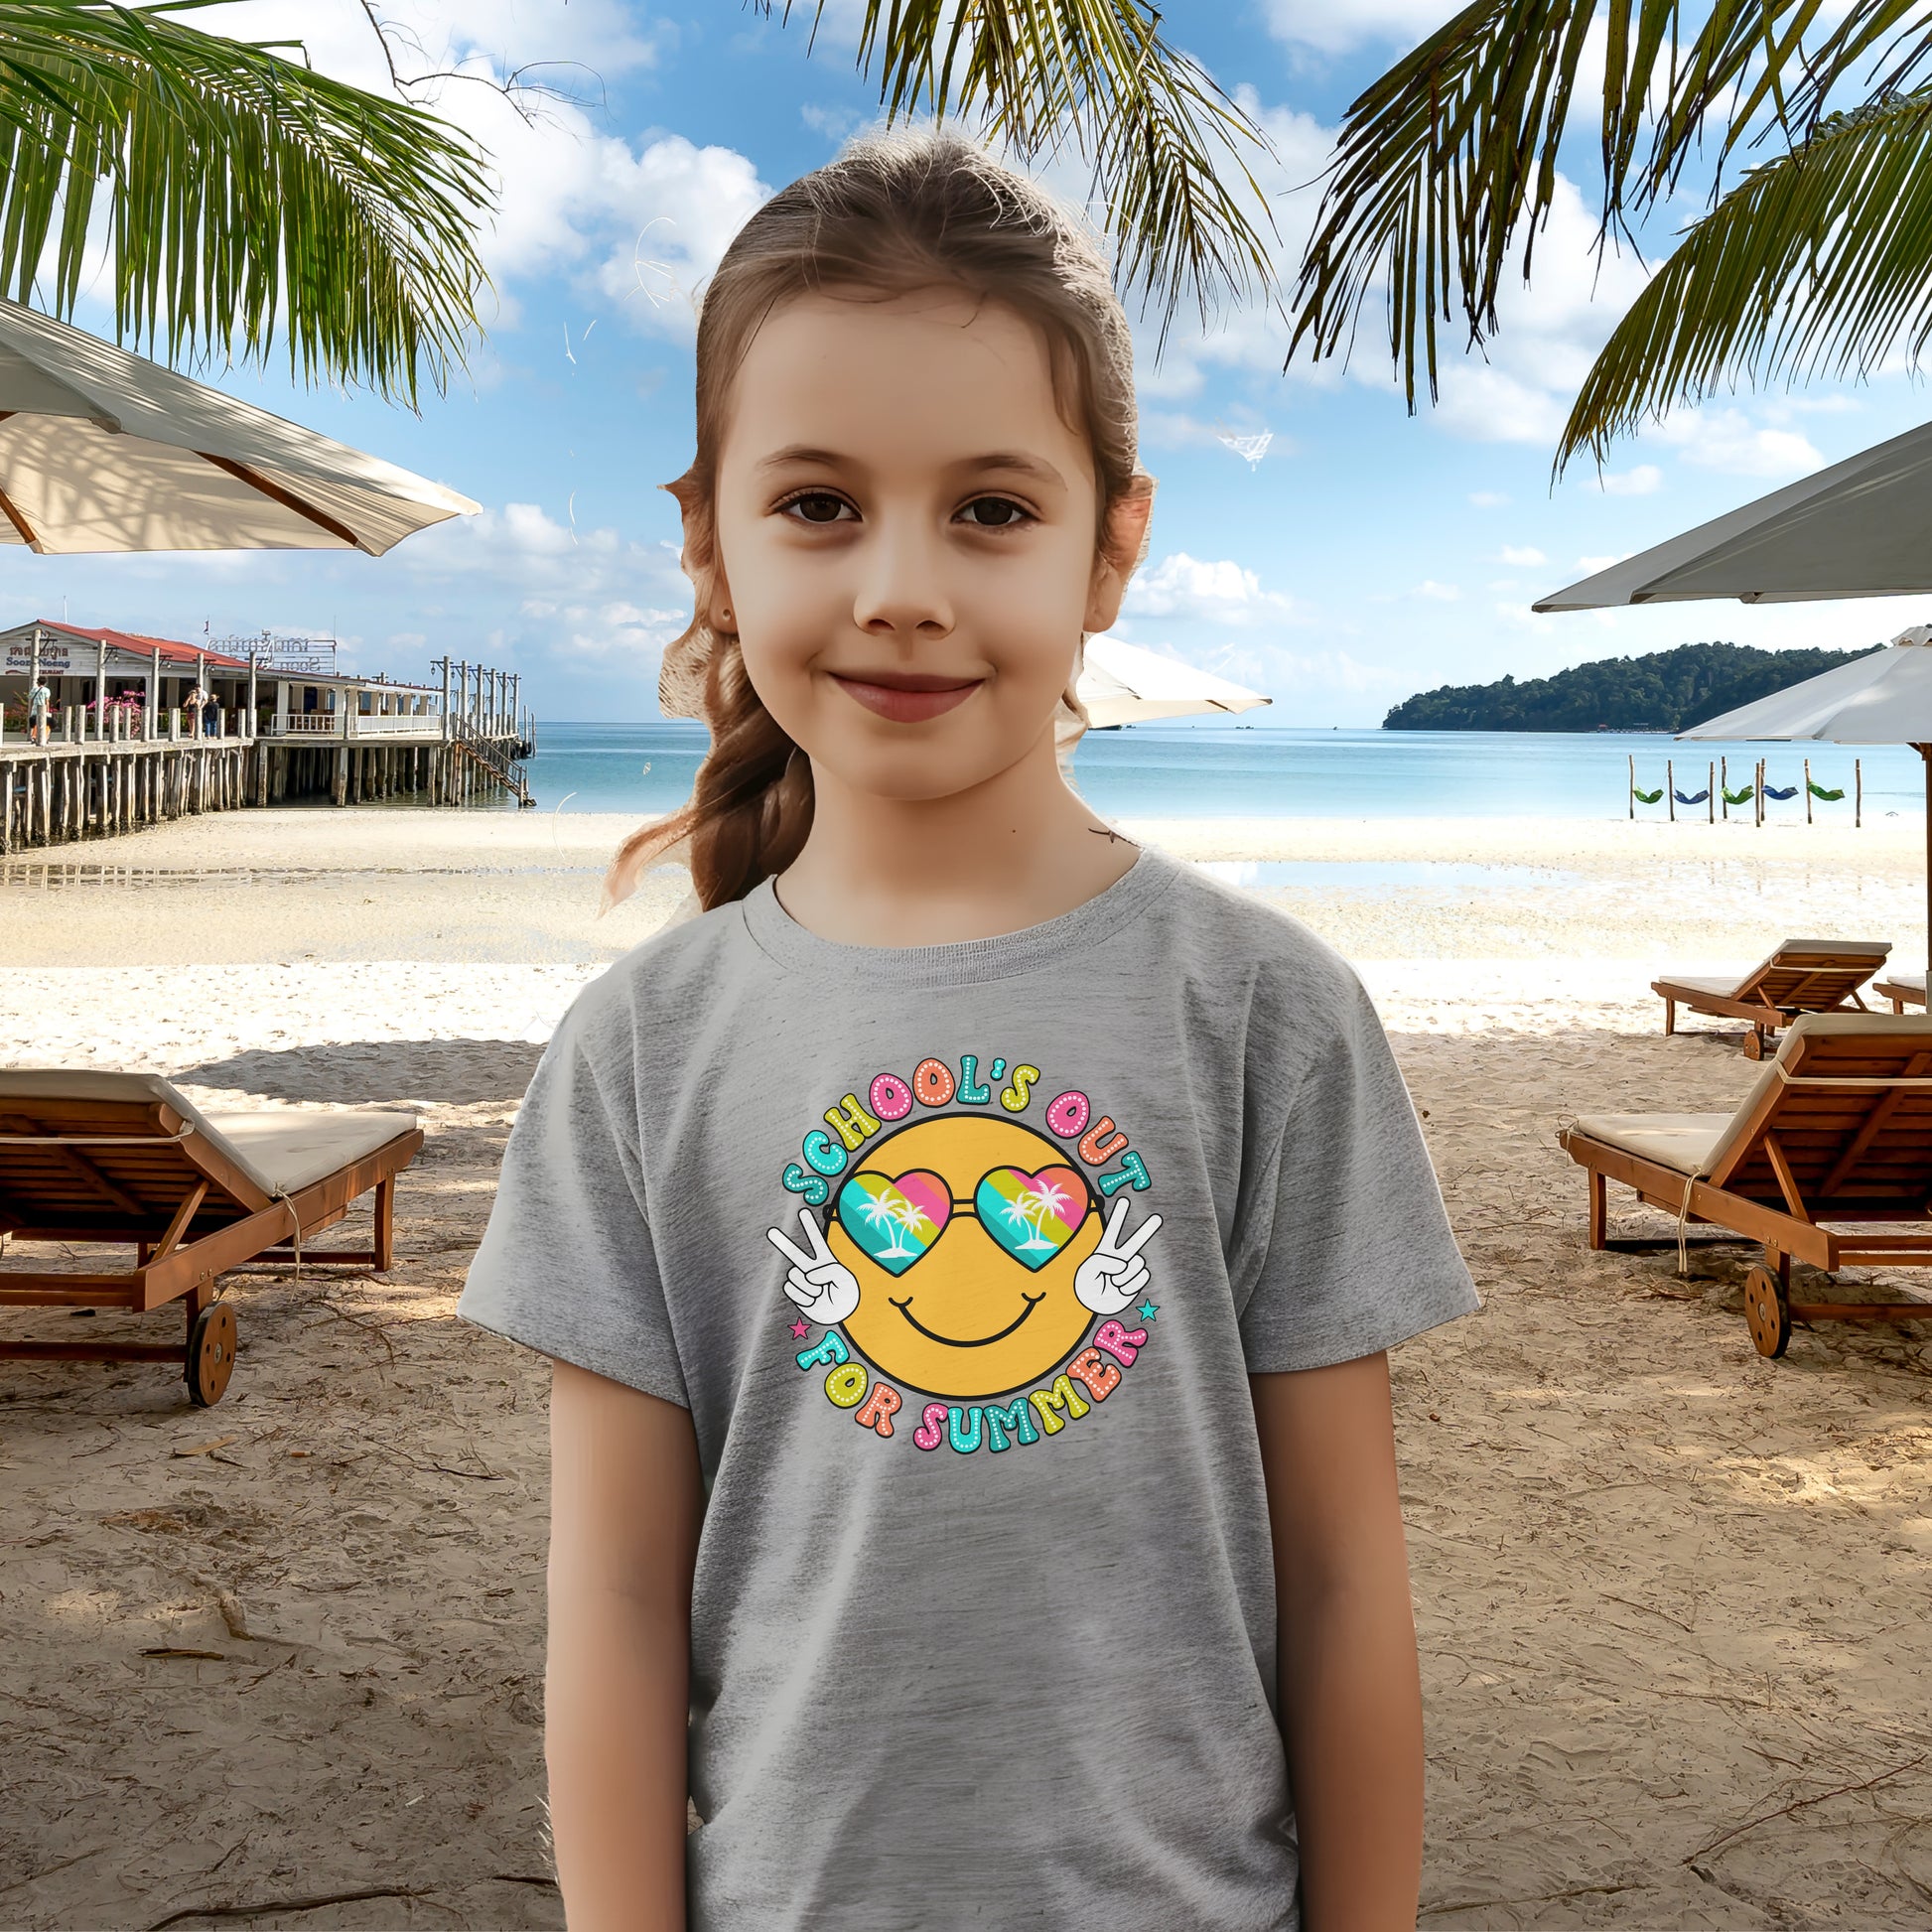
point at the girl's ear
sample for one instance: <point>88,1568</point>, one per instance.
<point>698,558</point>
<point>1121,550</point>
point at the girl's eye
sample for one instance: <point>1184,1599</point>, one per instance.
<point>995,512</point>
<point>815,507</point>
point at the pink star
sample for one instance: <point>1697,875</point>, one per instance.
<point>800,1329</point>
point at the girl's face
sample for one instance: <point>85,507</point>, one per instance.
<point>905,538</point>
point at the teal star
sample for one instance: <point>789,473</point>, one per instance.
<point>1149,1310</point>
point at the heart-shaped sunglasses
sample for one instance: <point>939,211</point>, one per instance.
<point>897,1218</point>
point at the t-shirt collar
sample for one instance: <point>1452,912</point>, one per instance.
<point>795,950</point>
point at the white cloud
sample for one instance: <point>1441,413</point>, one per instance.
<point>837,124</point>
<point>1336,26</point>
<point>1437,593</point>
<point>641,225</point>
<point>1520,389</point>
<point>1220,593</point>
<point>1642,481</point>
<point>588,593</point>
<point>600,632</point>
<point>1522,553</point>
<point>1250,337</point>
<point>1590,566</point>
<point>1291,676</point>
<point>1728,440</point>
<point>687,204</point>
<point>549,567</point>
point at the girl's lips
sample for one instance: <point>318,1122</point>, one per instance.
<point>907,699</point>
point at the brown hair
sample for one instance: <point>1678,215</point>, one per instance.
<point>895,212</point>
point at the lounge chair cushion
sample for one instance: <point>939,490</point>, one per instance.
<point>286,1150</point>
<point>1682,1142</point>
<point>1703,1142</point>
<point>1875,950</point>
<point>279,1150</point>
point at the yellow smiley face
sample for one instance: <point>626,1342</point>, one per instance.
<point>964,1234</point>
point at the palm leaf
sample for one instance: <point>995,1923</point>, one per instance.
<point>1816,264</point>
<point>1447,165</point>
<point>1167,148</point>
<point>242,194</point>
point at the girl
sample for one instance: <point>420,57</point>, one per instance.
<point>968,1249</point>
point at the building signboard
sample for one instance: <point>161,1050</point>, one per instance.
<point>54,658</point>
<point>283,656</point>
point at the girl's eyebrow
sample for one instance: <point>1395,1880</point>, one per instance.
<point>797,453</point>
<point>1011,461</point>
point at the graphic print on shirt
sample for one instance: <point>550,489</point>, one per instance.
<point>981,1271</point>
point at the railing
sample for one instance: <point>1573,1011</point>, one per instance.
<point>356,724</point>
<point>78,724</point>
<point>490,752</point>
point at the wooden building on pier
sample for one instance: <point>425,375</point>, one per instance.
<point>123,744</point>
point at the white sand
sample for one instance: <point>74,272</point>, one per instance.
<point>1671,1596</point>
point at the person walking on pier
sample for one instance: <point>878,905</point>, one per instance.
<point>39,698</point>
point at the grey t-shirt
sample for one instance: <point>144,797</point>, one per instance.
<point>960,1257</point>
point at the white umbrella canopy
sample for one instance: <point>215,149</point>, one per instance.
<point>1882,698</point>
<point>1127,684</point>
<point>101,450</point>
<point>1860,528</point>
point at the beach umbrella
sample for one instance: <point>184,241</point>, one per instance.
<point>1859,528</point>
<point>1126,684</point>
<point>1882,698</point>
<point>101,450</point>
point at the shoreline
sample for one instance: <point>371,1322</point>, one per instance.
<point>1567,901</point>
<point>373,837</point>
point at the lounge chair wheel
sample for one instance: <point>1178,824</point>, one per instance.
<point>1753,1044</point>
<point>211,1354</point>
<point>1767,1312</point>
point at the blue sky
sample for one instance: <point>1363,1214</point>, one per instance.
<point>1367,555</point>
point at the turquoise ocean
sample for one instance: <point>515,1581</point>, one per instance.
<point>1266,771</point>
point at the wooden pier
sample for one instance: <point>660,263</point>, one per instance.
<point>101,773</point>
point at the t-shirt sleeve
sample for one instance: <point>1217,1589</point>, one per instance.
<point>1343,1247</point>
<point>566,1264</point>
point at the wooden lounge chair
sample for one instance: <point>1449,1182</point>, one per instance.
<point>1802,976</point>
<point>1828,1152</point>
<point>1903,988</point>
<point>126,1158</point>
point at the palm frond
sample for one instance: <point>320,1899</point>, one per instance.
<point>1815,264</point>
<point>1168,148</point>
<point>243,196</point>
<point>1447,165</point>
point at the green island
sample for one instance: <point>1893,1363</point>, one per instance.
<point>1664,691</point>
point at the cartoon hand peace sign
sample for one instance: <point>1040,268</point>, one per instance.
<point>1114,1274</point>
<point>824,1288</point>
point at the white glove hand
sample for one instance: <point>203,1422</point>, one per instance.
<point>1114,1274</point>
<point>824,1288</point>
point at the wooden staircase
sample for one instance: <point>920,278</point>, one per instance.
<point>491,758</point>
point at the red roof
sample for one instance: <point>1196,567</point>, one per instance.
<point>132,640</point>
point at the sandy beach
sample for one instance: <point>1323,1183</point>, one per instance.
<point>1671,1596</point>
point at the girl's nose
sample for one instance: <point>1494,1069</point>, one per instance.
<point>901,587</point>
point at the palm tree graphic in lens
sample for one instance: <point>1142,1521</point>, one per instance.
<point>890,1210</point>
<point>1037,1203</point>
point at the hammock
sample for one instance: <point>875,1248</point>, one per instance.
<point>1771,791</point>
<point>1647,798</point>
<point>1739,798</point>
<point>1831,797</point>
<point>1690,797</point>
